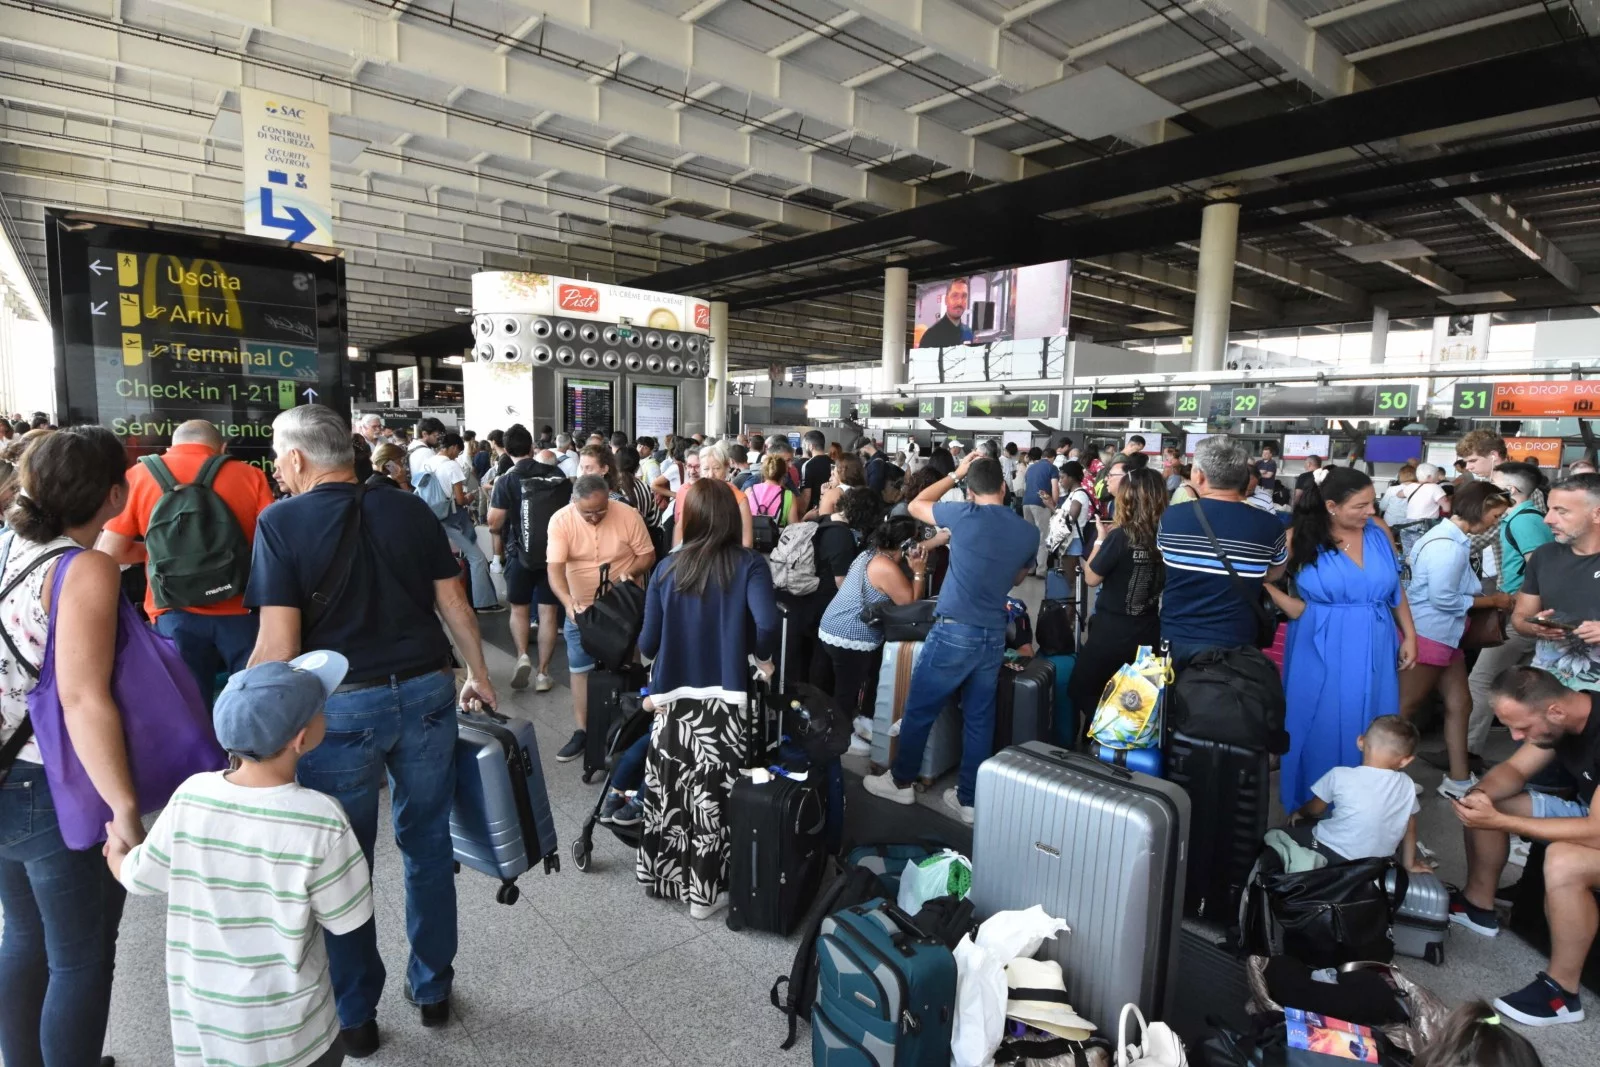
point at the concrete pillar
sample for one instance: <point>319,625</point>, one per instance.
<point>717,377</point>
<point>1219,245</point>
<point>895,284</point>
<point>1441,337</point>
<point>1480,335</point>
<point>1380,334</point>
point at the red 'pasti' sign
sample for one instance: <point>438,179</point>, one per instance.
<point>577,298</point>
<point>702,316</point>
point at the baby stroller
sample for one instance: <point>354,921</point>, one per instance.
<point>632,724</point>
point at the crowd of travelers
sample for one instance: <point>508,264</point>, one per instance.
<point>333,631</point>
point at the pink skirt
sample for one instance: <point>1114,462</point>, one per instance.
<point>1431,653</point>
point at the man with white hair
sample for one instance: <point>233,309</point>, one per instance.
<point>369,575</point>
<point>196,590</point>
<point>371,429</point>
<point>1427,501</point>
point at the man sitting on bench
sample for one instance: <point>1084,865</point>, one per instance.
<point>1554,724</point>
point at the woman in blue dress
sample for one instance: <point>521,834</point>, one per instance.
<point>1351,630</point>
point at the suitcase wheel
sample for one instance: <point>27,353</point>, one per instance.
<point>735,920</point>
<point>1434,953</point>
<point>588,776</point>
<point>581,852</point>
<point>458,866</point>
<point>508,894</point>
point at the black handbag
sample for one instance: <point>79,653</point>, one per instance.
<point>1341,913</point>
<point>610,628</point>
<point>902,622</point>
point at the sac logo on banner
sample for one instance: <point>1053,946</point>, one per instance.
<point>288,191</point>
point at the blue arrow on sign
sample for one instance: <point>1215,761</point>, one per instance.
<point>296,223</point>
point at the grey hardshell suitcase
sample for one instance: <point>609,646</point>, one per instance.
<point>1423,918</point>
<point>943,751</point>
<point>500,823</point>
<point>1099,846</point>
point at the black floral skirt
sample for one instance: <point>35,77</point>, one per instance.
<point>695,751</point>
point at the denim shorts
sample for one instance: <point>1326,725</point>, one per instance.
<point>578,659</point>
<point>1546,806</point>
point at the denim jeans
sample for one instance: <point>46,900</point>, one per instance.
<point>62,908</point>
<point>955,657</point>
<point>458,527</point>
<point>210,644</point>
<point>407,729</point>
<point>629,770</point>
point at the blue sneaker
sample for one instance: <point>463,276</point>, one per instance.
<point>1463,912</point>
<point>629,814</point>
<point>1541,1003</point>
<point>613,803</point>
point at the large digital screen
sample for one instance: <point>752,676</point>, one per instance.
<point>1025,302</point>
<point>588,407</point>
<point>1301,445</point>
<point>1393,448</point>
<point>158,325</point>
<point>655,410</point>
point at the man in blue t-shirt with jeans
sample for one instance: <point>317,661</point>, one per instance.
<point>1201,607</point>
<point>991,550</point>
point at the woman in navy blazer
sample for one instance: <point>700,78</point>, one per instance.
<point>710,607</point>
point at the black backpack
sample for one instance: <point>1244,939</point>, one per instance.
<point>198,552</point>
<point>542,497</point>
<point>795,993</point>
<point>1233,696</point>
<point>765,528</point>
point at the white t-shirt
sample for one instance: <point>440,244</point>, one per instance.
<point>1371,807</point>
<point>568,464</point>
<point>250,875</point>
<point>1424,501</point>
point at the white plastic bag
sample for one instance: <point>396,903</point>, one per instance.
<point>981,979</point>
<point>940,875</point>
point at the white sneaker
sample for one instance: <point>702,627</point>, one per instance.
<point>859,747</point>
<point>1451,789</point>
<point>519,677</point>
<point>862,727</point>
<point>1416,786</point>
<point>882,785</point>
<point>495,567</point>
<point>1519,851</point>
<point>706,911</point>
<point>543,683</point>
<point>952,800</point>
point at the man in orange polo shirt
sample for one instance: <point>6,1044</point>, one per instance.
<point>212,637</point>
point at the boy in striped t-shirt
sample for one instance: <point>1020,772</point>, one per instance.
<point>252,864</point>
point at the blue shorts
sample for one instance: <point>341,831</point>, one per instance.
<point>578,659</point>
<point>1546,806</point>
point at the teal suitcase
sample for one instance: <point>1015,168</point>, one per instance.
<point>1064,726</point>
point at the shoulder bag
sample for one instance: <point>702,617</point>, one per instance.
<point>165,723</point>
<point>336,578</point>
<point>24,732</point>
<point>1266,618</point>
<point>609,630</point>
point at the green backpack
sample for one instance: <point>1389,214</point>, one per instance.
<point>198,554</point>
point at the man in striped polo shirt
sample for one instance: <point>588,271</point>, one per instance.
<point>1201,608</point>
<point>252,864</point>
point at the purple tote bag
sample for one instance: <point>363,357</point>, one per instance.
<point>165,724</point>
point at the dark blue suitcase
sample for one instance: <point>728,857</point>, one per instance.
<point>886,995</point>
<point>500,823</point>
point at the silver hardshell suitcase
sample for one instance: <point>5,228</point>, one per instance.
<point>943,751</point>
<point>1423,918</point>
<point>501,823</point>
<point>1099,846</point>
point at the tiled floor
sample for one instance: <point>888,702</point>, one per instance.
<point>586,969</point>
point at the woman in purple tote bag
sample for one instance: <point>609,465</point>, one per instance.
<point>61,905</point>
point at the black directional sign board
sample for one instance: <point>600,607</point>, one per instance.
<point>157,325</point>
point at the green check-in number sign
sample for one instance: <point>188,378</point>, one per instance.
<point>1080,405</point>
<point>1039,405</point>
<point>1394,401</point>
<point>1472,399</point>
<point>1190,405</point>
<point>1246,403</point>
<point>958,407</point>
<point>926,408</point>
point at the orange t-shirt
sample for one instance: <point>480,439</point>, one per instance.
<point>243,487</point>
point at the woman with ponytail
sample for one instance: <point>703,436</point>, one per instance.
<point>1343,656</point>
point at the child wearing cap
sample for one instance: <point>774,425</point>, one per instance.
<point>252,864</point>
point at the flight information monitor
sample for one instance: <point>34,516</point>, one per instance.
<point>588,407</point>
<point>156,325</point>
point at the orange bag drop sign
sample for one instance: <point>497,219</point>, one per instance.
<point>1547,399</point>
<point>1544,451</point>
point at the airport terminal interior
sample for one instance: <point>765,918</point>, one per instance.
<point>981,307</point>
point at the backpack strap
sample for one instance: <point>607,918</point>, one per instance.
<point>160,472</point>
<point>24,731</point>
<point>209,469</point>
<point>337,575</point>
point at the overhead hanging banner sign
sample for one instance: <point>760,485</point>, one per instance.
<point>510,292</point>
<point>288,188</point>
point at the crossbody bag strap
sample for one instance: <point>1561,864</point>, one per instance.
<point>336,578</point>
<point>1233,575</point>
<point>24,731</point>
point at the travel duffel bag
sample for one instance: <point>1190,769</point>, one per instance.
<point>1340,913</point>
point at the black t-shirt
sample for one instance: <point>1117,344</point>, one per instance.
<point>383,622</point>
<point>814,475</point>
<point>942,334</point>
<point>1133,576</point>
<point>1305,481</point>
<point>1569,584</point>
<point>1580,753</point>
<point>507,495</point>
<point>503,464</point>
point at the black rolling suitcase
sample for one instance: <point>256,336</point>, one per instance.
<point>1229,789</point>
<point>1024,702</point>
<point>777,856</point>
<point>606,689</point>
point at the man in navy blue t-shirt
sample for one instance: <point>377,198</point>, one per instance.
<point>991,550</point>
<point>1041,493</point>
<point>1201,607</point>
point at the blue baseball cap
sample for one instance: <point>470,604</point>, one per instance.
<point>263,707</point>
